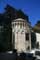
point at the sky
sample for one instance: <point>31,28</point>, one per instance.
<point>29,7</point>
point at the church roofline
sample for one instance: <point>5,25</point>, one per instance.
<point>19,19</point>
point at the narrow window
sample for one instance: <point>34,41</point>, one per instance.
<point>27,36</point>
<point>20,25</point>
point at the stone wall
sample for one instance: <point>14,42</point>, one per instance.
<point>38,38</point>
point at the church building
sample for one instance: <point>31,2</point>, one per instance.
<point>21,35</point>
<point>16,31</point>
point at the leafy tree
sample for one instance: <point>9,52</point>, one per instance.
<point>20,14</point>
<point>5,20</point>
<point>10,12</point>
<point>36,28</point>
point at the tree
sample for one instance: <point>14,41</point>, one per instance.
<point>10,12</point>
<point>5,20</point>
<point>36,28</point>
<point>20,14</point>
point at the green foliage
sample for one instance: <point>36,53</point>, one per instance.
<point>20,14</point>
<point>36,28</point>
<point>5,20</point>
<point>3,41</point>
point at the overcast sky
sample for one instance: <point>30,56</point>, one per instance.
<point>29,7</point>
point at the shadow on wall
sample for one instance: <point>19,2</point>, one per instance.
<point>33,40</point>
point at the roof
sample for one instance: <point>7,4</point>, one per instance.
<point>19,19</point>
